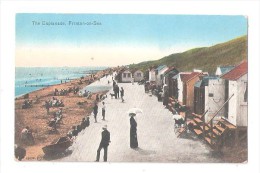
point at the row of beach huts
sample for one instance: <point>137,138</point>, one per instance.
<point>216,105</point>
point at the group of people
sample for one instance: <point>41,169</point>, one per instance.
<point>75,130</point>
<point>86,94</point>
<point>117,91</point>
<point>57,116</point>
<point>53,103</point>
<point>62,92</point>
<point>27,104</point>
<point>105,138</point>
<point>95,111</point>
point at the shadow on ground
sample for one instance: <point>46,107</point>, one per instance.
<point>144,152</point>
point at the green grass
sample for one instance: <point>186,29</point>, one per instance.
<point>204,58</point>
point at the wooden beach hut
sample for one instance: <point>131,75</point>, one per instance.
<point>168,74</point>
<point>159,74</point>
<point>126,76</point>
<point>200,94</point>
<point>138,75</point>
<point>152,74</point>
<point>189,81</point>
<point>236,82</point>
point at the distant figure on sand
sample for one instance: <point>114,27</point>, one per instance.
<point>95,111</point>
<point>105,140</point>
<point>122,92</point>
<point>133,134</point>
<point>103,110</point>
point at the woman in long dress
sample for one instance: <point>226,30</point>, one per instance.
<point>133,134</point>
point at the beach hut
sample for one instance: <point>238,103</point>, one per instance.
<point>189,81</point>
<point>236,83</point>
<point>152,74</point>
<point>118,75</point>
<point>214,97</point>
<point>159,74</point>
<point>176,89</point>
<point>221,70</point>
<point>126,76</point>
<point>138,75</point>
<point>200,97</point>
<point>168,74</point>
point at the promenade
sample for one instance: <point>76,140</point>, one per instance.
<point>155,130</point>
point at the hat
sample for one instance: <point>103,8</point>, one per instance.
<point>104,127</point>
<point>132,114</point>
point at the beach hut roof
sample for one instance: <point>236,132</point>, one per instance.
<point>225,69</point>
<point>205,81</point>
<point>170,70</point>
<point>236,72</point>
<point>187,77</point>
<point>161,67</point>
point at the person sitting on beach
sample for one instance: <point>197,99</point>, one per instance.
<point>80,94</point>
<point>26,136</point>
<point>87,121</point>
<point>72,133</point>
<point>58,113</point>
<point>27,104</point>
<point>78,128</point>
<point>52,123</point>
<point>83,123</point>
<point>86,93</point>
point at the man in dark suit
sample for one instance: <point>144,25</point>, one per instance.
<point>104,143</point>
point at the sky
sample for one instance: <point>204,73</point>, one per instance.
<point>116,39</point>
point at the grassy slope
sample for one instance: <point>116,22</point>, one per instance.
<point>206,58</point>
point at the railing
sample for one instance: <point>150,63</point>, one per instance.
<point>211,120</point>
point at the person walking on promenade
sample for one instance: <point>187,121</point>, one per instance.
<point>166,99</point>
<point>105,140</point>
<point>103,110</point>
<point>117,91</point>
<point>133,134</point>
<point>122,92</point>
<point>95,111</point>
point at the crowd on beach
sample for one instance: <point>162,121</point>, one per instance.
<point>26,134</point>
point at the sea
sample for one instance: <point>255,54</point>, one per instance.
<point>28,79</point>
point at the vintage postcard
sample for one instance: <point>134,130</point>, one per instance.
<point>131,88</point>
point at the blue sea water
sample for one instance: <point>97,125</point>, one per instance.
<point>25,77</point>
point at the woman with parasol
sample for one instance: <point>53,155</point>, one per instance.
<point>133,127</point>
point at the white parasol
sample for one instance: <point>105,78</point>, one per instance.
<point>134,111</point>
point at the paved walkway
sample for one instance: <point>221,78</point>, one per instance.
<point>155,130</point>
